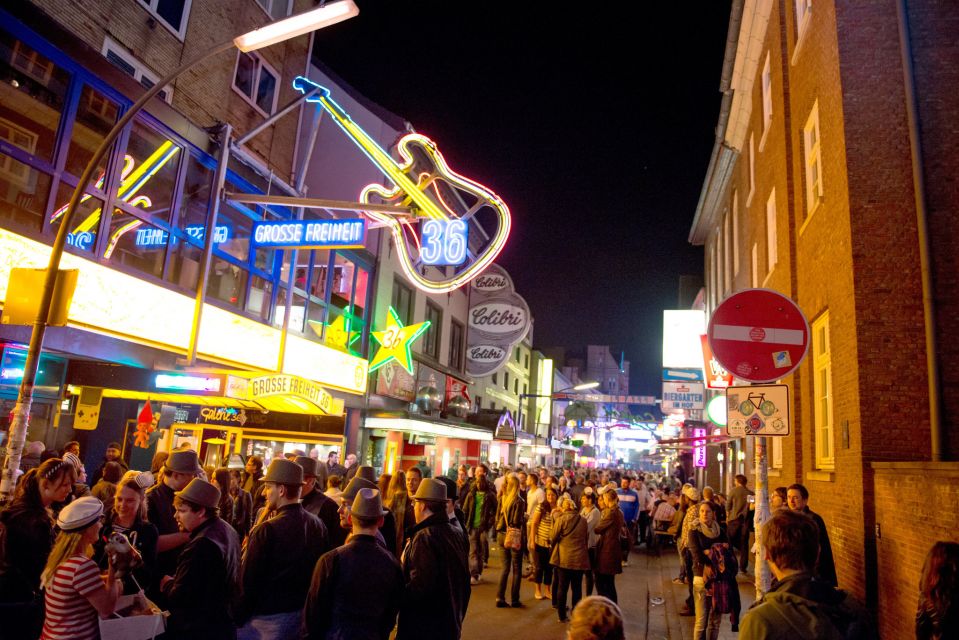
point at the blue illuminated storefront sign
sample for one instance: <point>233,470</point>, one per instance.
<point>153,237</point>
<point>327,234</point>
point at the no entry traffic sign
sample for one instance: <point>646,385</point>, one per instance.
<point>758,335</point>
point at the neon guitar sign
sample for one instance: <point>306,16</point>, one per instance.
<point>432,195</point>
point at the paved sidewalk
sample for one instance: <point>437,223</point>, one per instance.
<point>649,599</point>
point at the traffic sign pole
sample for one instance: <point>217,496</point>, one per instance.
<point>761,515</point>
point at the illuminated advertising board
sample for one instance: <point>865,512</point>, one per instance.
<point>699,453</point>
<point>300,234</point>
<point>682,348</point>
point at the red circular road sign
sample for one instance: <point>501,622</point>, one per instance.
<point>758,335</point>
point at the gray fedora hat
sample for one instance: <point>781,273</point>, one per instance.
<point>431,490</point>
<point>183,461</point>
<point>200,492</point>
<point>283,471</point>
<point>368,504</point>
<point>366,473</point>
<point>353,488</point>
<point>308,464</point>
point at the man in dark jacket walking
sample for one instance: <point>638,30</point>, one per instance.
<point>479,507</point>
<point>200,595</point>
<point>279,559</point>
<point>318,503</point>
<point>435,571</point>
<point>356,588</point>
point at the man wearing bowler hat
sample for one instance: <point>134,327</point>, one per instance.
<point>361,571</point>
<point>435,571</point>
<point>279,558</point>
<point>318,503</point>
<point>180,468</point>
<point>201,594</point>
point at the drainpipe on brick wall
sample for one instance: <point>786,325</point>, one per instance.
<point>922,223</point>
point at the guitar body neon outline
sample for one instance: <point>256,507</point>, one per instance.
<point>418,190</point>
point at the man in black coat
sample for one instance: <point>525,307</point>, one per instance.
<point>179,469</point>
<point>356,589</point>
<point>797,497</point>
<point>279,558</point>
<point>386,531</point>
<point>479,507</point>
<point>318,503</point>
<point>200,596</point>
<point>435,571</point>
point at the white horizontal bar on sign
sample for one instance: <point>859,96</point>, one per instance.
<point>749,334</point>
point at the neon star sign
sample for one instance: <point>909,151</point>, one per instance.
<point>338,333</point>
<point>434,194</point>
<point>395,342</point>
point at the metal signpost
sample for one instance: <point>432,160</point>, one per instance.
<point>760,336</point>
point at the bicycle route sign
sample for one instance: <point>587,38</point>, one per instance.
<point>758,335</point>
<point>757,410</point>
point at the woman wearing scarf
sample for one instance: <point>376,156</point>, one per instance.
<point>701,538</point>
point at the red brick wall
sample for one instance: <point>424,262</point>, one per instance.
<point>915,507</point>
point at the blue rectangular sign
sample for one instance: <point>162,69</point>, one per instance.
<point>296,234</point>
<point>683,375</point>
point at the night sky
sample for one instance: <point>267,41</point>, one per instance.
<point>594,122</point>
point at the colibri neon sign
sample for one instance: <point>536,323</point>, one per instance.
<point>300,234</point>
<point>443,243</point>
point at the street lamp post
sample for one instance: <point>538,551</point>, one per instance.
<point>272,33</point>
<point>586,386</point>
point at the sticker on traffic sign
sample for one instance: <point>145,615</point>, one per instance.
<point>759,410</point>
<point>758,335</point>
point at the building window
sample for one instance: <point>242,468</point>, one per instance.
<point>727,253</point>
<point>771,254</point>
<point>516,385</point>
<point>23,139</point>
<point>402,301</point>
<point>752,168</point>
<point>506,380</point>
<point>822,393</point>
<point>813,156</point>
<point>173,14</point>
<point>276,9</point>
<point>736,232</point>
<point>457,333</point>
<point>516,354</point>
<point>803,14</point>
<point>494,380</point>
<point>526,365</point>
<point>755,265</point>
<point>525,388</point>
<point>767,99</point>
<point>256,81</point>
<point>431,341</point>
<point>128,64</point>
<point>31,63</point>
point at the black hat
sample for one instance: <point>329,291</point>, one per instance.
<point>309,466</point>
<point>450,487</point>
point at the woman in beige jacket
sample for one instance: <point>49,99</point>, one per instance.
<point>570,541</point>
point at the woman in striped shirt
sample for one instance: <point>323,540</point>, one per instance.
<point>75,591</point>
<point>540,545</point>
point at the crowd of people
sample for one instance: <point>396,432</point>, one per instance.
<point>312,549</point>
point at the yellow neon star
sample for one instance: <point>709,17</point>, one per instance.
<point>395,342</point>
<point>338,333</point>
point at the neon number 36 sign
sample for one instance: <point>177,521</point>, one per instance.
<point>444,242</point>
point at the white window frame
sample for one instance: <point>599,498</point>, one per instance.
<point>260,62</point>
<point>736,232</point>
<point>767,89</point>
<point>772,253</point>
<point>825,442</point>
<point>140,70</point>
<point>267,6</point>
<point>776,453</point>
<point>755,266</point>
<point>34,63</point>
<point>9,167</point>
<point>812,151</point>
<point>752,169</point>
<point>727,253</point>
<point>180,33</point>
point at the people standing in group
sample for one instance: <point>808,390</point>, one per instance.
<point>201,593</point>
<point>937,616</point>
<point>737,519</point>
<point>113,454</point>
<point>30,459</point>
<point>690,522</point>
<point>400,506</point>
<point>252,473</point>
<point>334,489</point>
<point>510,524</point>
<point>778,499</point>
<point>351,466</point>
<point>609,551</point>
<point>242,517</point>
<point>75,593</point>
<point>180,468</point>
<point>278,561</point>
<point>331,467</point>
<point>591,513</point>
<point>569,541</point>
<point>479,507</point>
<point>356,589</point>
<point>128,516</point>
<point>435,571</point>
<point>797,498</point>
<point>27,533</point>
<point>106,487</point>
<point>318,503</point>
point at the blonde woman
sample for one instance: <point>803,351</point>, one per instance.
<point>596,618</point>
<point>75,591</point>
<point>510,515</point>
<point>398,502</point>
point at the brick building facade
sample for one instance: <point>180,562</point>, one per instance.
<point>817,188</point>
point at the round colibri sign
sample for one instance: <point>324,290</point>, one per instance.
<point>758,335</point>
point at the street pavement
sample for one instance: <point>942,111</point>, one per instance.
<point>647,596</point>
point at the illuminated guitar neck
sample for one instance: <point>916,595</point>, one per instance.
<point>379,157</point>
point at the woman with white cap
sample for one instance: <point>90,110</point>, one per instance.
<point>75,591</point>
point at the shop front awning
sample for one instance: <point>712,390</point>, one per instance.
<point>428,427</point>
